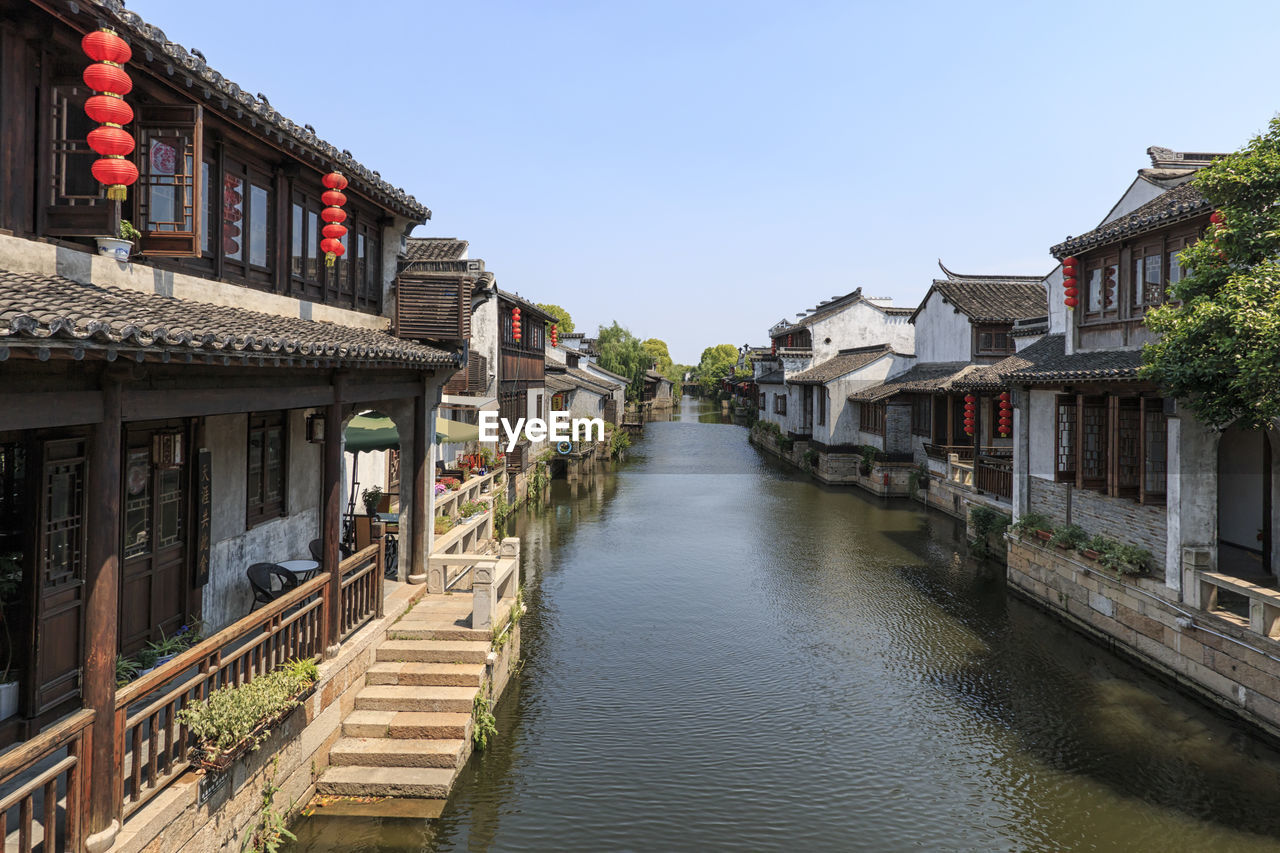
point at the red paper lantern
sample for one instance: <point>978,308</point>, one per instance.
<point>110,141</point>
<point>969,398</point>
<point>334,215</point>
<point>1068,269</point>
<point>1217,218</point>
<point>105,46</point>
<point>555,337</point>
<point>1072,291</point>
<point>1004,396</point>
<point>111,83</point>
<point>1071,301</point>
<point>1069,261</point>
<point>1069,281</point>
<point>101,77</point>
<point>108,109</point>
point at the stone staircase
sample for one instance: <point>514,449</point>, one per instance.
<point>410,730</point>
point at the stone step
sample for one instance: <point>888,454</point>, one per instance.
<point>403,697</point>
<point>434,651</point>
<point>417,672</point>
<point>407,724</point>
<point>407,629</point>
<point>396,752</point>
<point>386,781</point>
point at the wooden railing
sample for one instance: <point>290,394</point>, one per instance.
<point>151,743</point>
<point>994,476</point>
<point>29,782</point>
<point>964,451</point>
<point>471,490</point>
<point>361,598</point>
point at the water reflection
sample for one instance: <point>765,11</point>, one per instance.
<point>722,654</point>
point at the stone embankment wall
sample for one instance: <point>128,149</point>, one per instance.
<point>1232,667</point>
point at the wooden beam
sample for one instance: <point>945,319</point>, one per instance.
<point>150,404</point>
<point>332,522</point>
<point>42,410</point>
<point>102,592</point>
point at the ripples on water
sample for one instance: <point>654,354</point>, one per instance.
<point>722,654</point>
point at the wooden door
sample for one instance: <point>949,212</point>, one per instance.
<point>60,578</point>
<point>154,576</point>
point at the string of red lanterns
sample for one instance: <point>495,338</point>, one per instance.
<point>1006,415</point>
<point>334,216</point>
<point>1070,290</point>
<point>109,140</point>
<point>516,333</point>
<point>969,413</point>
<point>555,335</point>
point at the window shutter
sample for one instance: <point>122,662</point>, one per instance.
<point>72,201</point>
<point>1065,439</point>
<point>169,194</point>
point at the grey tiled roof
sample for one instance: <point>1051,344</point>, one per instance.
<point>53,311</point>
<point>1177,205</point>
<point>842,363</point>
<point>188,71</point>
<point>435,248</point>
<point>586,380</point>
<point>992,299</point>
<point>923,378</point>
<point>773,377</point>
<point>1047,361</point>
<point>557,382</point>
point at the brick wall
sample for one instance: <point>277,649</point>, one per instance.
<point>1122,519</point>
<point>1230,667</point>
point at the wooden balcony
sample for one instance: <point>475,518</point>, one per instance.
<point>474,379</point>
<point>994,475</point>
<point>433,305</point>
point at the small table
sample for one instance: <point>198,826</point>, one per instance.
<point>304,569</point>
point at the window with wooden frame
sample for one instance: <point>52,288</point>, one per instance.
<point>169,194</point>
<point>72,201</point>
<point>871,418</point>
<point>779,404</point>
<point>267,466</point>
<point>306,261</point>
<point>368,264</point>
<point>1065,439</point>
<point>509,407</point>
<point>994,340</point>
<point>1091,461</point>
<point>1155,450</point>
<point>822,405</point>
<point>922,415</point>
<point>1147,276</point>
<point>761,399</point>
<point>248,229</point>
<point>1175,271</point>
<point>1127,434</point>
<point>1101,281</point>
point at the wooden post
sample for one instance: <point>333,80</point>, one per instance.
<point>104,778</point>
<point>423,434</point>
<point>331,480</point>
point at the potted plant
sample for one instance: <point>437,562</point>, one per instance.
<point>1094,548</point>
<point>443,524</point>
<point>126,670</point>
<point>237,718</point>
<point>371,497</point>
<point>168,648</point>
<point>1126,559</point>
<point>10,583</point>
<point>146,660</point>
<point>471,509</point>
<point>120,246</point>
<point>1068,537</point>
<point>1033,523</point>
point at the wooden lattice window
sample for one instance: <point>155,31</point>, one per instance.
<point>169,196</point>
<point>822,406</point>
<point>1128,442</point>
<point>268,455</point>
<point>63,523</point>
<point>72,201</point>
<point>1065,439</point>
<point>921,415</point>
<point>1155,463</point>
<point>871,418</point>
<point>779,404</point>
<point>1092,463</point>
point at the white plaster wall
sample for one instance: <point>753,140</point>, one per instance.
<point>1041,412</point>
<point>484,340</point>
<point>942,332</point>
<point>767,414</point>
<point>1058,313</point>
<point>228,596</point>
<point>1139,193</point>
<point>842,416</point>
<point>859,325</point>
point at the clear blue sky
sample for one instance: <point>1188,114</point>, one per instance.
<point>698,170</point>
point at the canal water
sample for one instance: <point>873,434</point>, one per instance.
<point>721,654</point>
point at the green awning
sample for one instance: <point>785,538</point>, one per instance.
<point>376,432</point>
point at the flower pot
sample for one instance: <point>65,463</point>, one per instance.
<point>1062,547</point>
<point>164,659</point>
<point>1045,535</point>
<point>1089,554</point>
<point>114,247</point>
<point>8,699</point>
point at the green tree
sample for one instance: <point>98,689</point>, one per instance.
<point>1219,345</point>
<point>564,323</point>
<point>624,354</point>
<point>717,362</point>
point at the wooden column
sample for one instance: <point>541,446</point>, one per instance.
<point>331,526</point>
<point>102,595</point>
<point>419,537</point>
